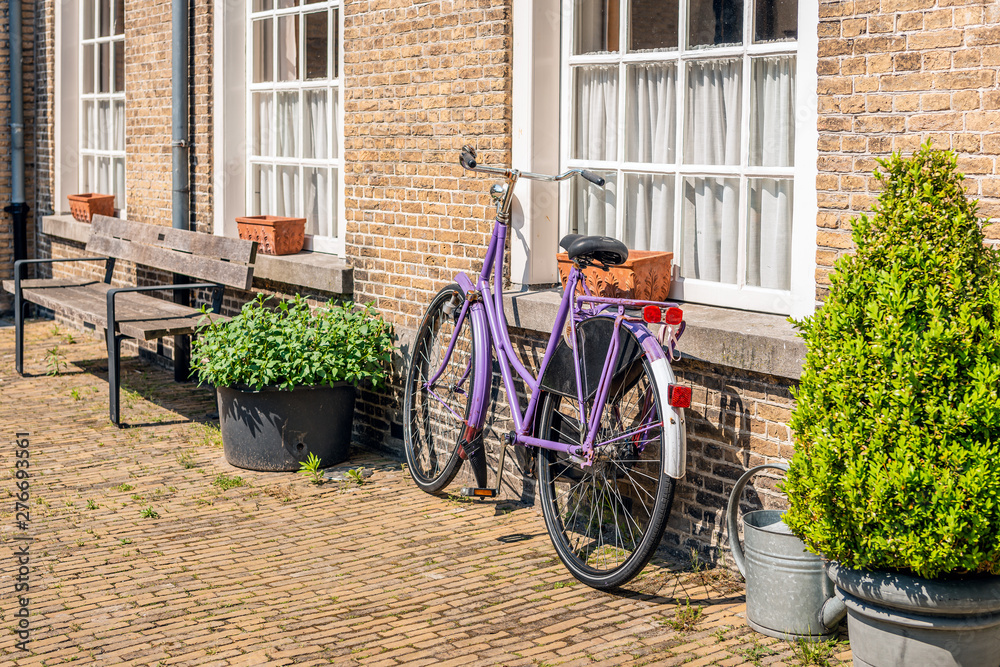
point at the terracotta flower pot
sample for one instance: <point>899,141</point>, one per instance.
<point>275,235</point>
<point>86,205</point>
<point>644,276</point>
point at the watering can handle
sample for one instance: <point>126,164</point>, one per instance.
<point>733,509</point>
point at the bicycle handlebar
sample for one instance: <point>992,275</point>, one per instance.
<point>468,161</point>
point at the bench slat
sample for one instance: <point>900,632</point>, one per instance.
<point>202,268</point>
<point>207,245</point>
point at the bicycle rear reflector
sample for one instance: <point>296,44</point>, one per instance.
<point>678,396</point>
<point>674,315</point>
<point>652,314</point>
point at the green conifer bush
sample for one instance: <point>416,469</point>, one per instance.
<point>897,417</point>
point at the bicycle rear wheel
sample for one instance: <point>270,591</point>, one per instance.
<point>437,391</point>
<point>606,519</point>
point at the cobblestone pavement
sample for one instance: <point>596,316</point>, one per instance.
<point>148,549</point>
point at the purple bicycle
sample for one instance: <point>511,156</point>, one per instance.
<point>604,424</point>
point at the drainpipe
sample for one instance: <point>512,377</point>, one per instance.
<point>17,208</point>
<point>180,211</point>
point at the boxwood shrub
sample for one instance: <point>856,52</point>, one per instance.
<point>288,344</point>
<point>897,419</point>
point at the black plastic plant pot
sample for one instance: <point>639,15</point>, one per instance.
<point>276,429</point>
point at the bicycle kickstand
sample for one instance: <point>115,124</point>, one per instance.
<point>474,492</point>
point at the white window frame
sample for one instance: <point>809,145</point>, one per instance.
<point>799,300</point>
<point>232,96</point>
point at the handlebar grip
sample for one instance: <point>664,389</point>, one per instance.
<point>468,157</point>
<point>593,178</point>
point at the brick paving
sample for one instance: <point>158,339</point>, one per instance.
<point>148,549</point>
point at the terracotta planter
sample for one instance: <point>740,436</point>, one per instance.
<point>86,205</point>
<point>644,276</point>
<point>274,234</point>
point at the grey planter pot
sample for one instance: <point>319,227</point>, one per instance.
<point>896,620</point>
<point>276,429</point>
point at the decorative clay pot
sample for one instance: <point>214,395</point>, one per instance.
<point>275,235</point>
<point>896,620</point>
<point>645,276</point>
<point>276,429</point>
<point>86,205</point>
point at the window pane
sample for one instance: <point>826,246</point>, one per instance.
<point>104,17</point>
<point>105,184</point>
<point>286,125</point>
<point>649,212</point>
<point>119,26</point>
<point>315,128</point>
<point>262,5</point>
<point>652,106</point>
<point>262,175</point>
<point>263,123</point>
<point>284,4</point>
<point>712,112</point>
<point>595,101</point>
<point>119,127</point>
<point>769,233</point>
<point>104,67</point>
<point>317,200</point>
<point>119,167</point>
<point>288,48</point>
<point>592,209</point>
<point>596,29</point>
<point>89,124</point>
<point>334,43</point>
<point>88,19</point>
<point>88,68</point>
<point>317,45</point>
<point>772,112</point>
<point>775,20</point>
<point>652,25</point>
<point>715,22</point>
<point>334,222</point>
<point>118,49</point>
<point>104,127</point>
<point>289,200</point>
<point>710,235</point>
<point>89,174</point>
<point>263,50</point>
<point>334,124</point>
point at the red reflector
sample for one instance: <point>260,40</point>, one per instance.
<point>678,396</point>
<point>674,315</point>
<point>652,314</point>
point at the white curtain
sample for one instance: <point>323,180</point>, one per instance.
<point>288,192</point>
<point>772,94</point>
<point>264,185</point>
<point>650,137</point>
<point>769,233</point>
<point>263,124</point>
<point>315,133</point>
<point>712,137</point>
<point>596,139</point>
<point>287,111</point>
<point>104,126</point>
<point>317,209</point>
<point>89,125</point>
<point>119,113</point>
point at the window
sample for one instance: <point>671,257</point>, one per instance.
<point>102,98</point>
<point>687,108</point>
<point>294,128</point>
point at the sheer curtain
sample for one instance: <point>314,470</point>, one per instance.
<point>650,137</point>
<point>769,228</point>
<point>712,137</point>
<point>315,133</point>
<point>286,110</point>
<point>596,139</point>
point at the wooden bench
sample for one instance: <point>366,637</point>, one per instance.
<point>215,261</point>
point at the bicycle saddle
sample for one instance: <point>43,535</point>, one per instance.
<point>588,249</point>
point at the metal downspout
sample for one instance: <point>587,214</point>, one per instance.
<point>18,208</point>
<point>180,204</point>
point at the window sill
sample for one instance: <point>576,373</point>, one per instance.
<point>738,339</point>
<point>312,270</point>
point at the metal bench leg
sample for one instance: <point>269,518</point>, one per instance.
<point>182,358</point>
<point>114,357</point>
<point>20,307</point>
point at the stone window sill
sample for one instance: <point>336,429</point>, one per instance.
<point>311,270</point>
<point>738,339</point>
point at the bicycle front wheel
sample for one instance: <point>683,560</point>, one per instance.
<point>437,391</point>
<point>606,519</point>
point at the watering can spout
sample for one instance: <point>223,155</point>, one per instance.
<point>832,613</point>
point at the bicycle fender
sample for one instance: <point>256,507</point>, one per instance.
<point>481,348</point>
<point>674,428</point>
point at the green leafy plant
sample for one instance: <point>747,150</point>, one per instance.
<point>311,470</point>
<point>149,513</point>
<point>92,504</point>
<point>356,475</point>
<point>292,344</point>
<point>186,459</point>
<point>226,482</point>
<point>55,360</point>
<point>817,654</point>
<point>897,420</point>
<point>686,617</point>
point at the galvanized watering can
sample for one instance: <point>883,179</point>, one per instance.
<point>789,595</point>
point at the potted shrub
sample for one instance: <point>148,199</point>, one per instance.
<point>286,378</point>
<point>896,473</point>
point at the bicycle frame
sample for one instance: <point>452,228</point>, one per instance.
<point>484,305</point>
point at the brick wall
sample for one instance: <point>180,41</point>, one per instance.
<point>893,74</point>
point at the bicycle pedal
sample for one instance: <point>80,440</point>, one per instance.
<point>479,493</point>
